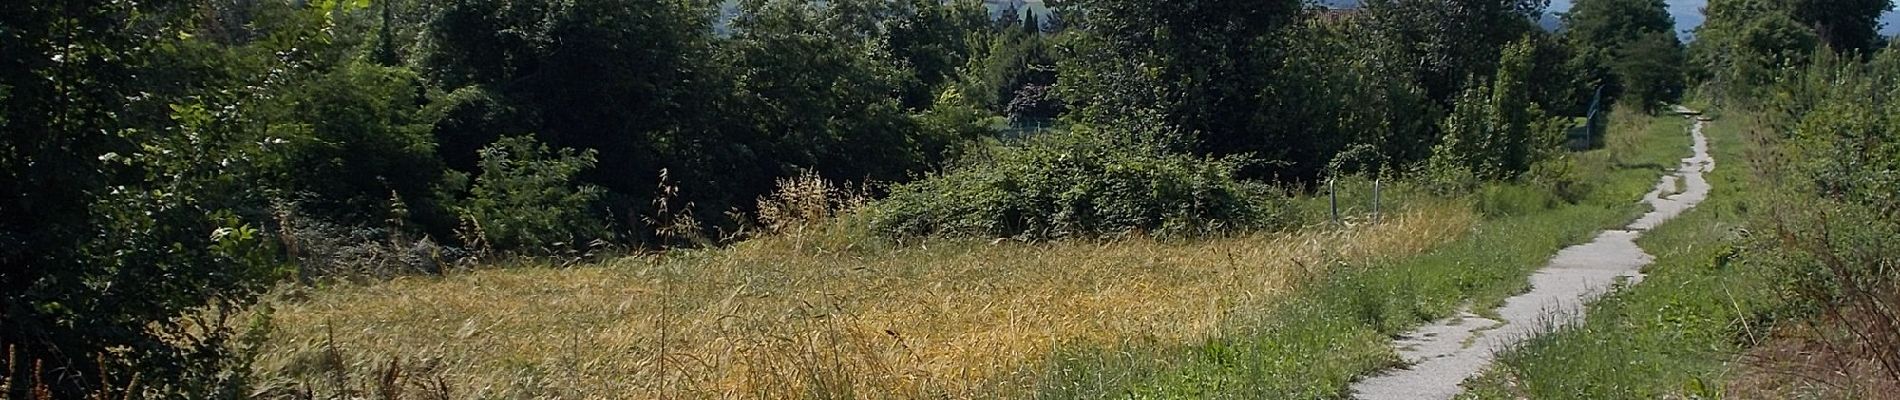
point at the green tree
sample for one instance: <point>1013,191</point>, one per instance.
<point>1450,41</point>
<point>1032,24</point>
<point>1360,108</point>
<point>348,140</point>
<point>1204,66</point>
<point>113,224</point>
<point>821,91</point>
<point>1601,31</point>
<point>1844,25</point>
<point>1743,43</point>
<point>1650,69</point>
<point>1496,131</point>
<point>638,81</point>
<point>932,39</point>
<point>1611,23</point>
<point>1010,61</point>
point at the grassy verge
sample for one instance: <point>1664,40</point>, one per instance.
<point>1675,334</point>
<point>1337,327</point>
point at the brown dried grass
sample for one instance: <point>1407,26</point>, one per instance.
<point>813,314</point>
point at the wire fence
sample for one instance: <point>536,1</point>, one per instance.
<point>1595,120</point>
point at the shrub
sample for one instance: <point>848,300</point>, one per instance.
<point>348,140</point>
<point>1496,131</point>
<point>1832,225</point>
<point>1077,183</point>
<point>526,198</point>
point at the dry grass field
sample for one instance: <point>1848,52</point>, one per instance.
<point>806,314</point>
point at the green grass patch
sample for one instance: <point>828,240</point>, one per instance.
<point>1338,326</point>
<point>1673,334</point>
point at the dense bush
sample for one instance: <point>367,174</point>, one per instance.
<point>119,252</point>
<point>527,199</point>
<point>1832,224</point>
<point>353,146</point>
<point>1497,131</point>
<point>1077,183</point>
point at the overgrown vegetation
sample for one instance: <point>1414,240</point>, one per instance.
<point>1778,287</point>
<point>1072,184</point>
<point>1698,307</point>
<point>165,161</point>
<point>526,196</point>
<point>1337,324</point>
<point>1833,216</point>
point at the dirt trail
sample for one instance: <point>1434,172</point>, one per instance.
<point>1446,353</point>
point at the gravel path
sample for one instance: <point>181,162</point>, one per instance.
<point>1444,354</point>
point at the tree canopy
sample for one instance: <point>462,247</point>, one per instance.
<point>1628,47</point>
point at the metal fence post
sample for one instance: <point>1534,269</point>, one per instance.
<point>1332,191</point>
<point>1375,201</point>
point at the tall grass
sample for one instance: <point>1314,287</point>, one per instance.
<point>1334,328</point>
<point>817,312</point>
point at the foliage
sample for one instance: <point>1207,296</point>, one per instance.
<point>1451,40</point>
<point>952,126</point>
<point>1841,171</point>
<point>1362,117</point>
<point>1197,64</point>
<point>846,88</point>
<point>1651,71</point>
<point>933,39</point>
<point>1497,131</point>
<point>352,145</point>
<point>1077,184</point>
<point>1034,103</point>
<point>1849,26</point>
<point>634,80</point>
<point>1012,60</point>
<point>1627,45</point>
<point>1296,96</point>
<point>822,91</point>
<point>1743,44</point>
<point>115,236</point>
<point>526,197</point>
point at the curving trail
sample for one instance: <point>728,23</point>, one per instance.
<point>1444,354</point>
